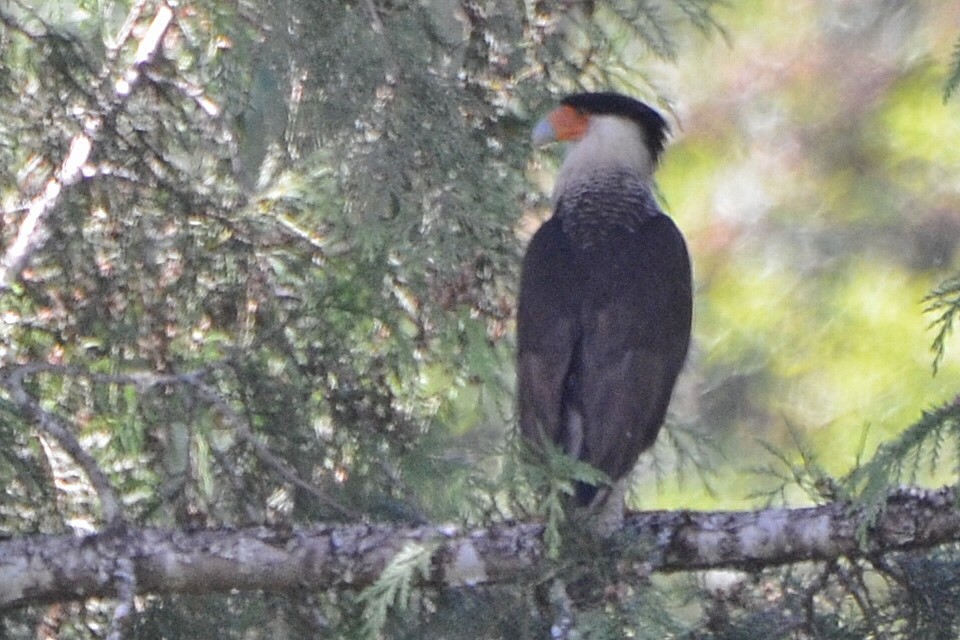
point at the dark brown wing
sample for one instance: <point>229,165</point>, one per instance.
<point>635,324</point>
<point>547,333</point>
<point>602,334</point>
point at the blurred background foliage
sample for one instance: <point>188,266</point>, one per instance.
<point>814,175</point>
<point>319,208</point>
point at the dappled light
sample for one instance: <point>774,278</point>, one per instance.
<point>258,291</point>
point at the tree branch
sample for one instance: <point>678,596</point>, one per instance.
<point>59,429</point>
<point>262,451</point>
<point>32,234</point>
<point>44,569</point>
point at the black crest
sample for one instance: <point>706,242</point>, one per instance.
<point>652,124</point>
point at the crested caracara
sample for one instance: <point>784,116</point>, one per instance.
<point>605,302</point>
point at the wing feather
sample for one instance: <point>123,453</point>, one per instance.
<point>547,334</point>
<point>636,328</point>
<point>602,333</point>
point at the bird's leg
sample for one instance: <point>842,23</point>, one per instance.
<point>563,619</point>
<point>607,507</point>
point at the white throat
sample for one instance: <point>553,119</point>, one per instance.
<point>611,142</point>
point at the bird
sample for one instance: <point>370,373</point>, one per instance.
<point>605,301</point>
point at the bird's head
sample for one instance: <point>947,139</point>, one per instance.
<point>610,125</point>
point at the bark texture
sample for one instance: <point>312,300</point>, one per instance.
<point>43,569</point>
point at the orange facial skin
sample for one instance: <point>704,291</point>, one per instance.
<point>568,123</point>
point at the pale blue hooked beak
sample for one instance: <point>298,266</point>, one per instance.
<point>543,133</point>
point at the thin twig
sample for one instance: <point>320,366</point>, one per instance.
<point>32,233</point>
<point>58,429</point>
<point>375,20</point>
<point>144,381</point>
<point>853,581</point>
<point>126,29</point>
<point>243,430</point>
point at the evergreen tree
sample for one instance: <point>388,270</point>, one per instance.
<point>258,271</point>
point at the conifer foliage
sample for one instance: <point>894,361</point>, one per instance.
<point>258,269</point>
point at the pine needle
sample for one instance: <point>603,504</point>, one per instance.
<point>945,302</point>
<point>953,80</point>
<point>393,587</point>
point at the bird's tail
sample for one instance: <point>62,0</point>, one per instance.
<point>584,493</point>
